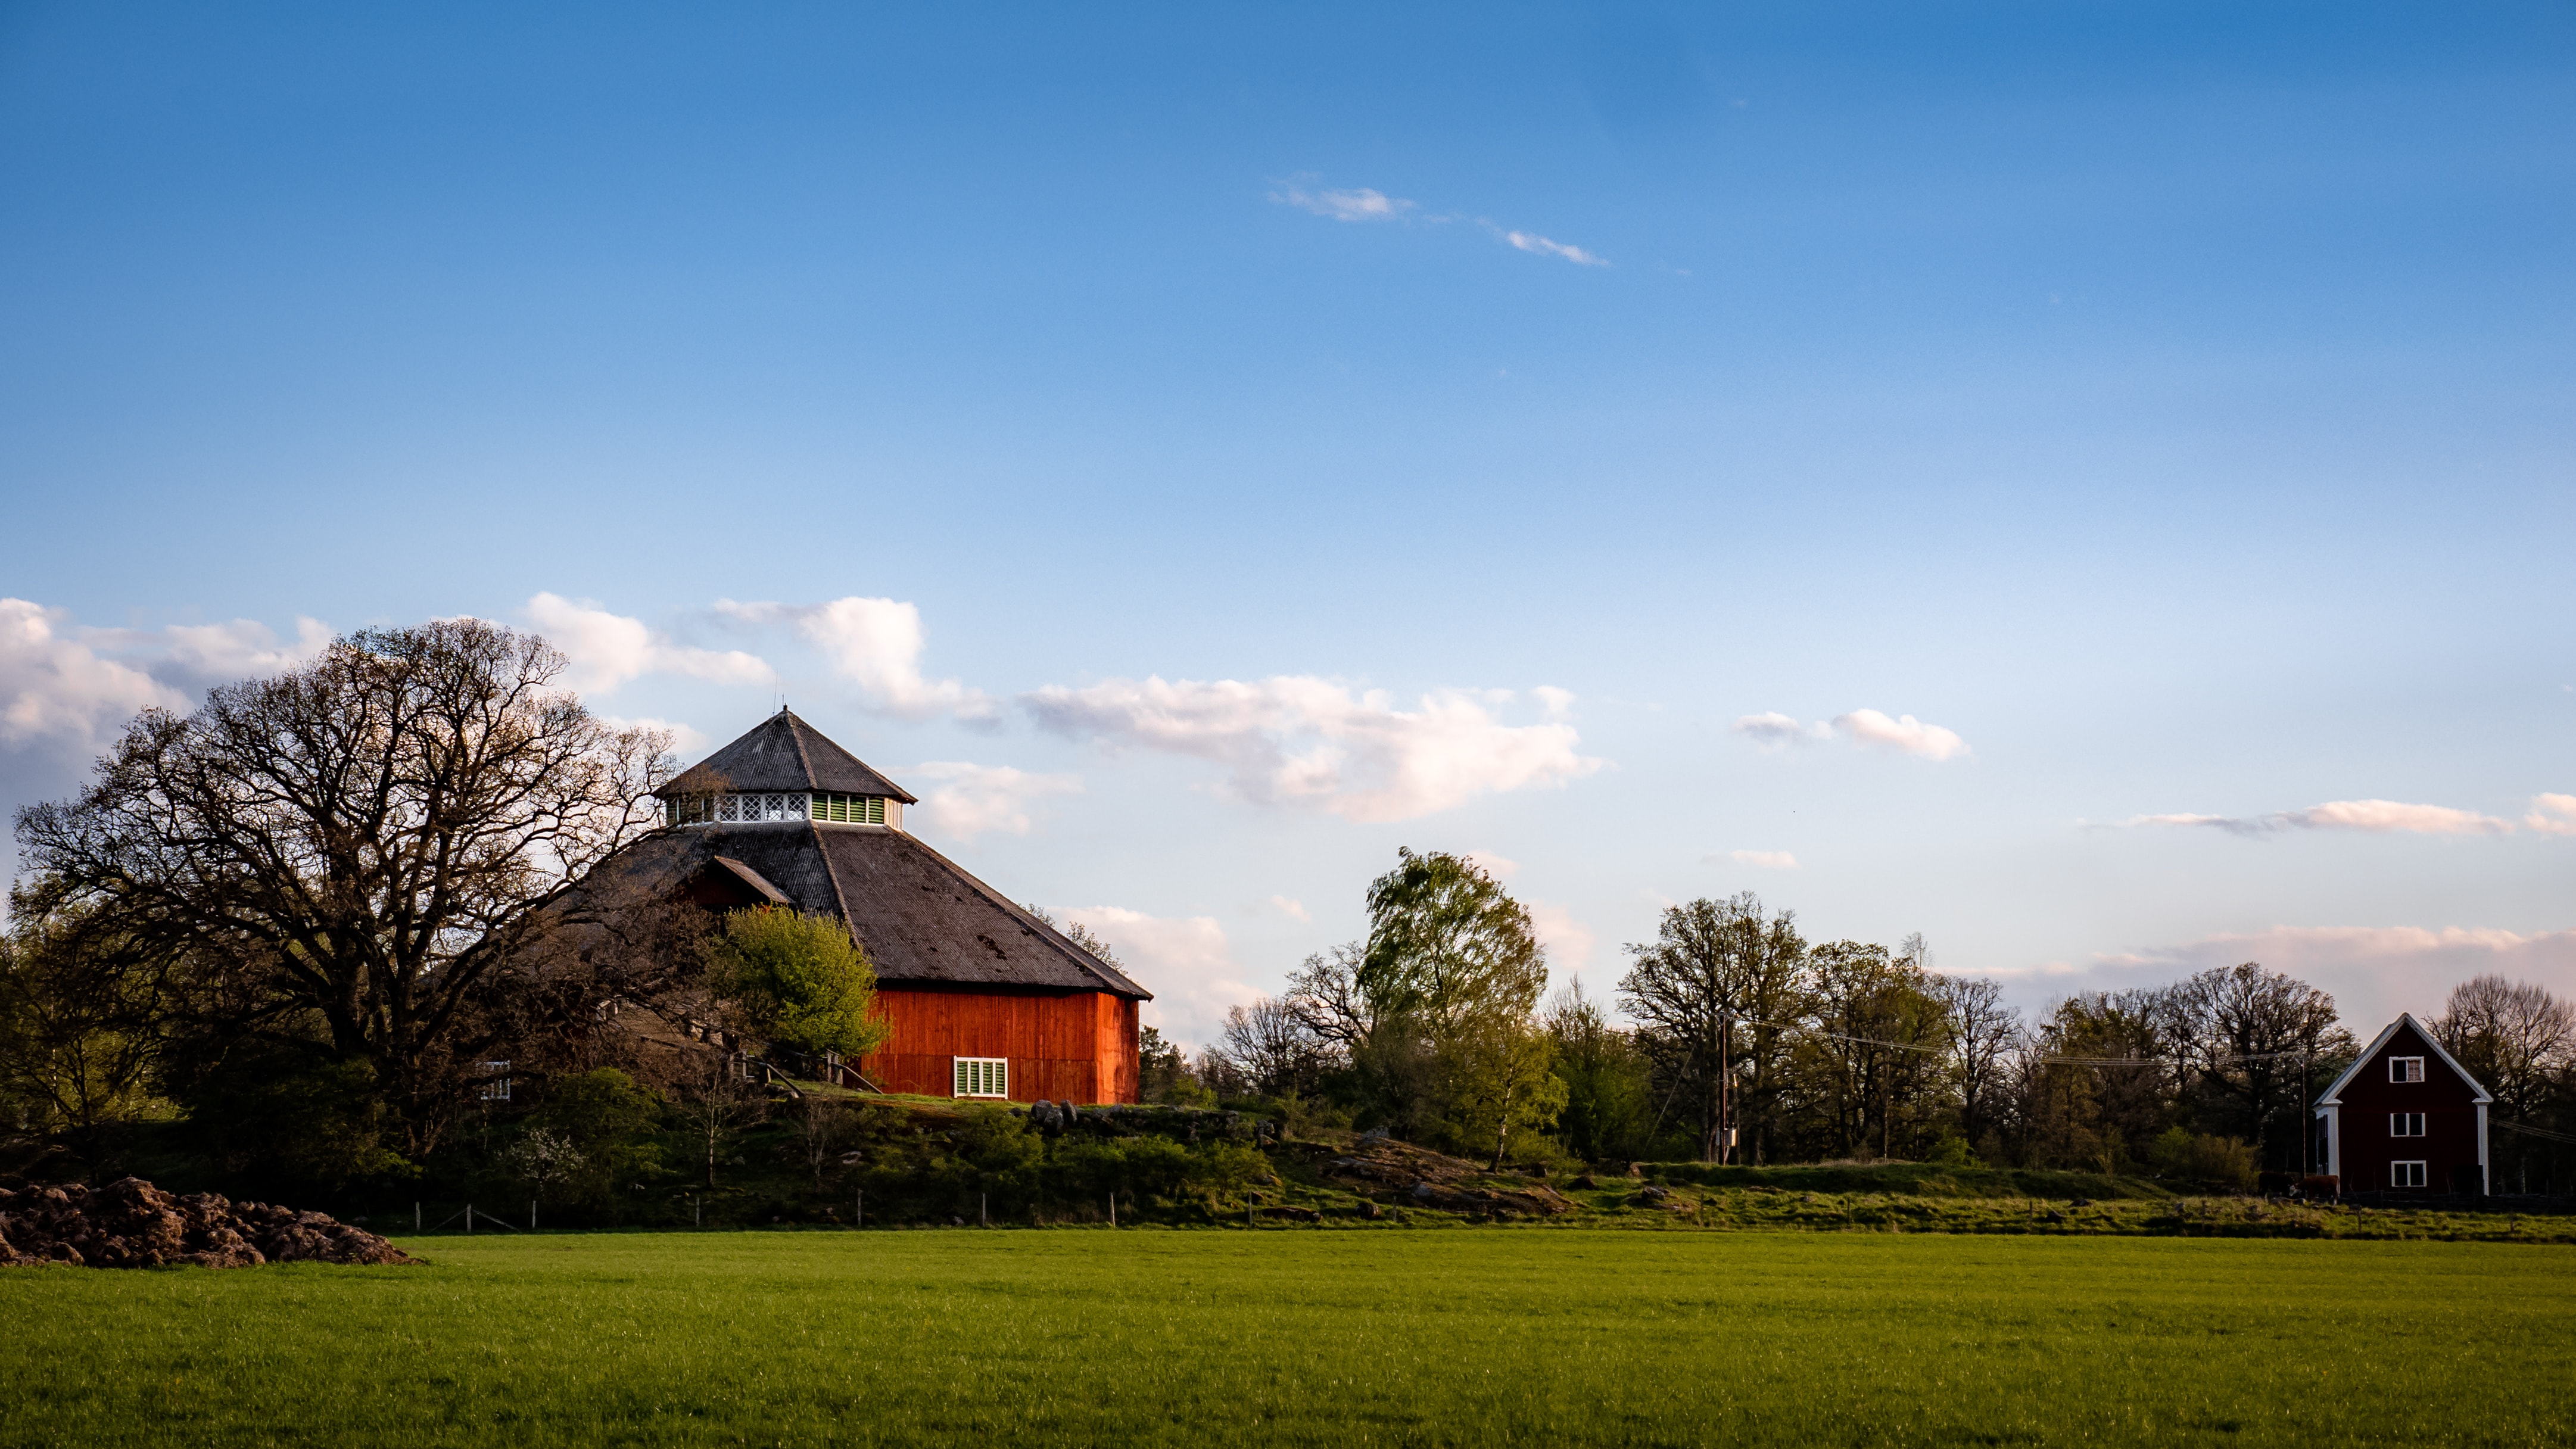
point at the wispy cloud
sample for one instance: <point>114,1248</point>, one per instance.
<point>1301,740</point>
<point>2378,817</point>
<point>1904,733</point>
<point>1367,203</point>
<point>1530,241</point>
<point>1364,203</point>
<point>2374,972</point>
<point>1765,859</point>
<point>966,800</point>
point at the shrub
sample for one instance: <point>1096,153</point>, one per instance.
<point>802,979</point>
<point>2224,1162</point>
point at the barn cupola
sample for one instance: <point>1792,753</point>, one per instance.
<point>783,770</point>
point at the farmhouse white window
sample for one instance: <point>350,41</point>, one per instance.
<point>2405,1124</point>
<point>983,1077</point>
<point>2405,1174</point>
<point>496,1082</point>
<point>2405,1069</point>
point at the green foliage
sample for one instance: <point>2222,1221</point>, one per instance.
<point>1952,1151</point>
<point>801,981</point>
<point>1499,1084</point>
<point>1153,1338</point>
<point>2221,1162</point>
<point>1446,941</point>
<point>79,1036</point>
<point>289,1120</point>
<point>1609,1112</point>
<point>607,1120</point>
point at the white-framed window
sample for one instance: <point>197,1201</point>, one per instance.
<point>2405,1124</point>
<point>2405,1069</point>
<point>2405,1174</point>
<point>983,1076</point>
<point>496,1082</point>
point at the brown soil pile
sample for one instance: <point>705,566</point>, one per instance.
<point>132,1224</point>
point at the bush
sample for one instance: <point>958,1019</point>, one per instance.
<point>803,980</point>
<point>2222,1162</point>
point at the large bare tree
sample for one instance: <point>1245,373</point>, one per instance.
<point>360,849</point>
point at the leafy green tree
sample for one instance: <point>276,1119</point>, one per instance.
<point>1721,982</point>
<point>1609,1107</point>
<point>800,981</point>
<point>1499,1081</point>
<point>80,1036</point>
<point>1442,994</point>
<point>1446,941</point>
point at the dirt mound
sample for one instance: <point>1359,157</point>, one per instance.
<point>132,1224</point>
<point>1402,1172</point>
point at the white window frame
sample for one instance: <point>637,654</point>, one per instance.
<point>980,1076</point>
<point>2405,1124</point>
<point>2398,1174</point>
<point>2406,1069</point>
<point>496,1082</point>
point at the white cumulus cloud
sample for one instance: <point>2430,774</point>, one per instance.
<point>967,800</point>
<point>2552,814</point>
<point>1301,740</point>
<point>1568,942</point>
<point>2378,817</point>
<point>57,689</point>
<point>609,649</point>
<point>876,644</point>
<point>1183,960</point>
<point>1905,734</point>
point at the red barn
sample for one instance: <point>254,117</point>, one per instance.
<point>985,999</point>
<point>2406,1118</point>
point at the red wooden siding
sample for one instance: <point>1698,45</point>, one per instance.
<point>2450,1139</point>
<point>1063,1046</point>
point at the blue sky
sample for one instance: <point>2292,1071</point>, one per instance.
<point>1262,415</point>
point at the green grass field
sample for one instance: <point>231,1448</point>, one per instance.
<point>1193,1338</point>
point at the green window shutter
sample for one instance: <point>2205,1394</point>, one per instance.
<point>960,1089</point>
<point>876,810</point>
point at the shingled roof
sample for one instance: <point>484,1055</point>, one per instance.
<point>783,753</point>
<point>920,915</point>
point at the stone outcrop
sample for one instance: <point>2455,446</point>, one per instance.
<point>132,1224</point>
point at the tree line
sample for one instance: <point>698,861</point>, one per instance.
<point>1745,1042</point>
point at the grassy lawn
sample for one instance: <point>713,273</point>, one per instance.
<point>1195,1338</point>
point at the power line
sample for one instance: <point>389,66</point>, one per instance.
<point>2526,1129</point>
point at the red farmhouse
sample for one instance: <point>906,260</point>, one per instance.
<point>985,999</point>
<point>2406,1118</point>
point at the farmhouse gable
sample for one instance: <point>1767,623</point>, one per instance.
<point>2406,1117</point>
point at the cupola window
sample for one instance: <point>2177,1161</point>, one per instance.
<point>750,806</point>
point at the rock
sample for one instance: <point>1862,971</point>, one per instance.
<point>1652,1194</point>
<point>1374,1134</point>
<point>2081,1202</point>
<point>1369,1209</point>
<point>1636,1169</point>
<point>1425,1191</point>
<point>132,1224</point>
<point>1585,1182</point>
